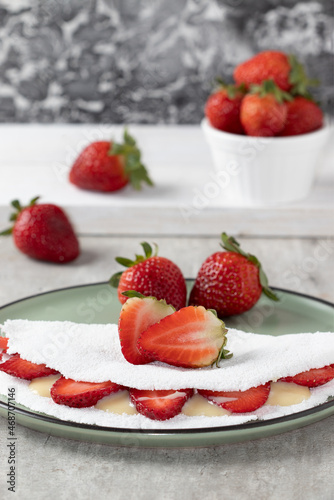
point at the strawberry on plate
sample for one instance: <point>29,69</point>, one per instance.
<point>284,69</point>
<point>230,282</point>
<point>191,337</point>
<point>43,231</point>
<point>222,108</point>
<point>68,392</point>
<point>153,276</point>
<point>312,378</point>
<point>27,370</point>
<point>3,343</point>
<point>239,401</point>
<point>263,111</point>
<point>303,116</point>
<point>106,166</point>
<point>137,314</point>
<point>160,405</point>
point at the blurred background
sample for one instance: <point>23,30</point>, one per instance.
<point>146,61</point>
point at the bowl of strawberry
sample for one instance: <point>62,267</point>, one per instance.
<point>265,131</point>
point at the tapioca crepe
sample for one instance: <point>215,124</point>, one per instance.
<point>92,353</point>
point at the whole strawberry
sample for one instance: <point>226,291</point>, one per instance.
<point>303,116</point>
<point>152,276</point>
<point>43,231</point>
<point>285,70</point>
<point>263,111</point>
<point>230,282</point>
<point>222,108</point>
<point>105,166</point>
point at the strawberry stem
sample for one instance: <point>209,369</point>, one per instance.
<point>299,80</point>
<point>269,87</point>
<point>231,245</point>
<point>134,168</point>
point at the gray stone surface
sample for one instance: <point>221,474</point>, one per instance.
<point>145,61</point>
<point>295,466</point>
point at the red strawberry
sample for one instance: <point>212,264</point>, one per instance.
<point>152,276</point>
<point>191,337</point>
<point>303,116</point>
<point>160,405</point>
<point>222,108</point>
<point>68,392</point>
<point>4,343</point>
<point>230,282</point>
<point>312,378</point>
<point>43,232</point>
<point>137,314</point>
<point>22,368</point>
<point>105,166</point>
<point>263,111</point>
<point>239,401</point>
<point>285,70</point>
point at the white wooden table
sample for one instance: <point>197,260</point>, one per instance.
<point>296,465</point>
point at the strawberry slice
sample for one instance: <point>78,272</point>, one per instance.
<point>160,405</point>
<point>137,314</point>
<point>312,378</point>
<point>27,370</point>
<point>192,337</point>
<point>66,391</point>
<point>4,343</point>
<point>239,401</point>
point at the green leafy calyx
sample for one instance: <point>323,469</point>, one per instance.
<point>231,89</point>
<point>148,252</point>
<point>14,215</point>
<point>133,165</point>
<point>269,87</point>
<point>231,245</point>
<point>299,79</point>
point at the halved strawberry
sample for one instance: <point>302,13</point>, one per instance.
<point>192,337</point>
<point>137,314</point>
<point>239,401</point>
<point>4,343</point>
<point>22,368</point>
<point>66,391</point>
<point>160,405</point>
<point>312,378</point>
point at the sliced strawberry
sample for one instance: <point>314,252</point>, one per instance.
<point>4,343</point>
<point>191,337</point>
<point>312,378</point>
<point>160,405</point>
<point>137,314</point>
<point>22,368</point>
<point>239,401</point>
<point>66,391</point>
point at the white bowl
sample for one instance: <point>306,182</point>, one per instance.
<point>261,171</point>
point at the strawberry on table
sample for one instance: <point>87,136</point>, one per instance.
<point>284,69</point>
<point>160,405</point>
<point>222,108</point>
<point>230,282</point>
<point>151,275</point>
<point>239,401</point>
<point>312,378</point>
<point>43,231</point>
<point>27,370</point>
<point>106,166</point>
<point>191,338</point>
<point>263,111</point>
<point>303,116</point>
<point>137,314</point>
<point>68,392</point>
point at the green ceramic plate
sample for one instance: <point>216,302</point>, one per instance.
<point>98,303</point>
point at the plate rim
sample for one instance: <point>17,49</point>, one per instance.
<point>258,424</point>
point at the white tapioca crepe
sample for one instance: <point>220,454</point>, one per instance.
<point>92,353</point>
